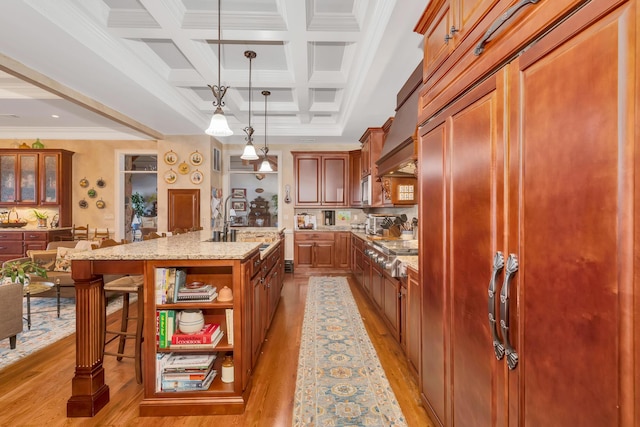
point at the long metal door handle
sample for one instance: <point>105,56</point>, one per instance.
<point>499,23</point>
<point>512,267</point>
<point>498,265</point>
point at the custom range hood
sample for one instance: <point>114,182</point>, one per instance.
<point>399,149</point>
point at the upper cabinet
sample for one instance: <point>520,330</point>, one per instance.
<point>445,24</point>
<point>37,178</point>
<point>321,178</point>
<point>372,141</point>
<point>355,181</point>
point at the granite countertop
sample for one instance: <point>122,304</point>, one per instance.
<point>192,245</point>
<point>410,261</point>
<point>33,227</point>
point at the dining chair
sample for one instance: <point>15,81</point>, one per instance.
<point>100,235</point>
<point>80,232</point>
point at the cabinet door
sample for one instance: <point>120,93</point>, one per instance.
<point>436,44</point>
<point>324,254</point>
<point>403,317</point>
<point>366,274</point>
<point>343,249</point>
<point>377,285</point>
<point>335,180</point>
<point>391,304</point>
<point>355,179</point>
<point>256,321</point>
<point>303,254</point>
<point>575,231</point>
<point>308,180</point>
<point>365,161</point>
<point>49,179</point>
<point>413,327</point>
<point>19,175</point>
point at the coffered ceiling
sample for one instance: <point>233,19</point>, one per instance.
<point>333,67</point>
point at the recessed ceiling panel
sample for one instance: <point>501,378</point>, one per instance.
<point>169,53</point>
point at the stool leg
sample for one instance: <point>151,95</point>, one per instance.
<point>138,343</point>
<point>58,296</point>
<point>123,324</point>
<point>28,309</point>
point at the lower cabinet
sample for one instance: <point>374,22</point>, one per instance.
<point>391,304</point>
<point>377,285</point>
<point>322,249</point>
<point>15,244</point>
<point>411,325</point>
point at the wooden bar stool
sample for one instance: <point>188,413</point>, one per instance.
<point>126,286</point>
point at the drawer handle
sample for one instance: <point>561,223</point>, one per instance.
<point>499,23</point>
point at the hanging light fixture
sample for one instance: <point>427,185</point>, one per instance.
<point>249,152</point>
<point>265,166</point>
<point>218,125</point>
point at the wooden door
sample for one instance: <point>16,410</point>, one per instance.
<point>355,180</point>
<point>412,320</point>
<point>324,254</point>
<point>575,232</point>
<point>391,304</point>
<point>256,320</point>
<point>366,274</point>
<point>303,253</point>
<point>184,208</point>
<point>377,285</point>
<point>343,249</point>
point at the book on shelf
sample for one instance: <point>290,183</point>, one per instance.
<point>165,282</point>
<point>205,293</point>
<point>204,346</point>
<point>166,326</point>
<point>178,362</point>
<point>186,376</point>
<point>189,385</point>
<point>161,361</point>
<point>181,280</point>
<point>204,336</point>
<point>229,317</point>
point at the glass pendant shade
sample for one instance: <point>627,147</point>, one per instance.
<point>265,166</point>
<point>249,152</point>
<point>219,125</point>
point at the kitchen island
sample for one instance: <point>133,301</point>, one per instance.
<point>224,264</point>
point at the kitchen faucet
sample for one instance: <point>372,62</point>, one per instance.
<point>227,218</point>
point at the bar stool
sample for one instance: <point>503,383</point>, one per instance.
<point>126,286</point>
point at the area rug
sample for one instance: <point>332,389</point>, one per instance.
<point>46,328</point>
<point>340,381</point>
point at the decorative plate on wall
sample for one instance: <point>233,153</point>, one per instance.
<point>259,190</point>
<point>100,204</point>
<point>183,168</point>
<point>170,176</point>
<point>101,183</point>
<point>196,176</point>
<point>195,158</point>
<point>170,157</point>
<point>83,204</point>
<point>92,193</point>
<point>84,182</point>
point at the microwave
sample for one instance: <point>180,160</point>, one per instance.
<point>366,190</point>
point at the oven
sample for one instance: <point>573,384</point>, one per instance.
<point>385,254</point>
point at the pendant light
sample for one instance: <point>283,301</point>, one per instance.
<point>218,125</point>
<point>265,166</point>
<point>249,152</point>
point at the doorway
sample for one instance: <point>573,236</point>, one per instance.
<point>184,208</point>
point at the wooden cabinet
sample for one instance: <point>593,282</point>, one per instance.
<point>371,141</point>
<point>321,179</point>
<point>11,245</point>
<point>400,190</point>
<point>322,249</point>
<point>391,304</point>
<point>356,258</point>
<point>550,216</point>
<point>37,178</point>
<point>15,244</point>
<point>412,327</point>
<point>377,285</point>
<point>355,178</point>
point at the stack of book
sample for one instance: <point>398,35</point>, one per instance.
<point>202,293</point>
<point>208,337</point>
<point>185,372</point>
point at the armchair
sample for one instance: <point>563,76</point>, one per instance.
<point>10,312</point>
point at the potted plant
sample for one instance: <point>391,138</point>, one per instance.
<point>41,217</point>
<point>18,271</point>
<point>137,205</point>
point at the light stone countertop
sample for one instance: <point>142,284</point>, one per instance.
<point>192,245</point>
<point>410,260</point>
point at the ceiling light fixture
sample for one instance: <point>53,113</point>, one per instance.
<point>249,152</point>
<point>265,166</point>
<point>218,125</point>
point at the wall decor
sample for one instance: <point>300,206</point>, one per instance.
<point>170,157</point>
<point>238,193</point>
<point>216,159</point>
<point>101,183</point>
<point>196,176</point>
<point>239,206</point>
<point>84,182</point>
<point>100,204</point>
<point>196,158</point>
<point>259,190</point>
<point>92,193</point>
<point>170,176</point>
<point>83,204</point>
<point>183,168</point>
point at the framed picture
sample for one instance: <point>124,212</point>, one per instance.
<point>170,157</point>
<point>196,177</point>
<point>216,160</point>
<point>239,206</point>
<point>238,193</point>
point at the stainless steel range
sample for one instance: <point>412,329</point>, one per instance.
<point>385,253</point>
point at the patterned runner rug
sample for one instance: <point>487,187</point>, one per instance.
<point>46,328</point>
<point>340,381</point>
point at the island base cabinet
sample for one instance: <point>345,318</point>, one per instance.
<point>218,397</point>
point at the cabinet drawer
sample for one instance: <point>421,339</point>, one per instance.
<point>10,236</point>
<point>254,264</point>
<point>8,247</point>
<point>314,236</point>
<point>35,235</point>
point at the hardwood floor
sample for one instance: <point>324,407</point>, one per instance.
<point>34,391</point>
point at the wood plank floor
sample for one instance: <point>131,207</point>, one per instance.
<point>34,391</point>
